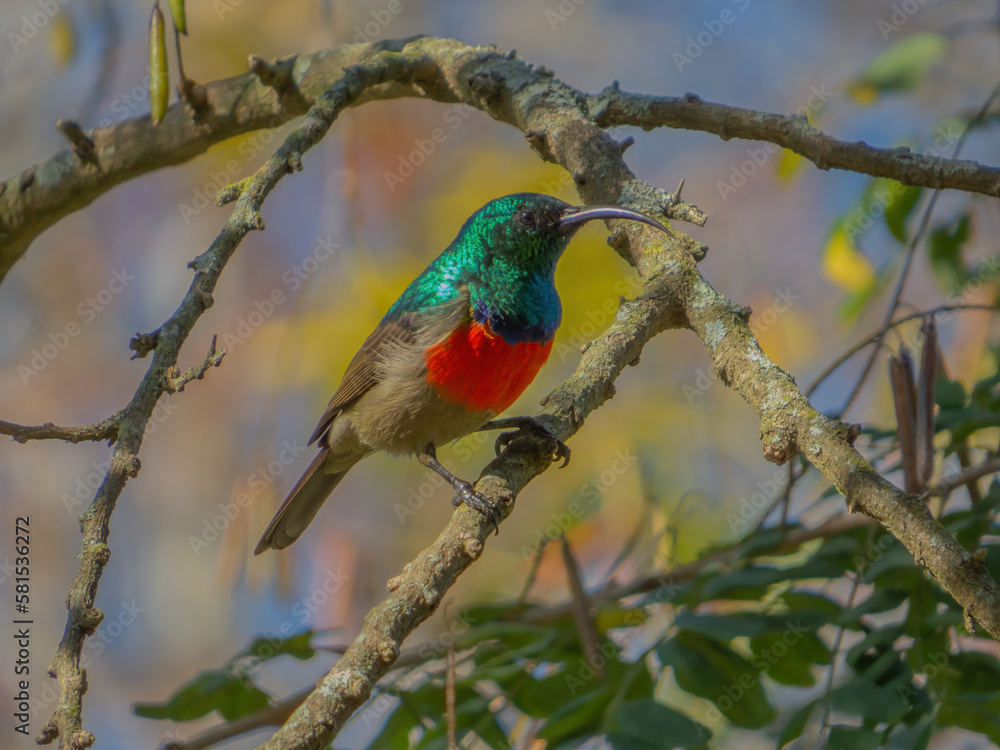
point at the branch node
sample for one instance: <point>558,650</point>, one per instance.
<point>275,75</point>
<point>83,144</point>
<point>253,219</point>
<point>132,465</point>
<point>977,559</point>
<point>143,343</point>
<point>49,732</point>
<point>294,162</point>
<point>625,144</point>
<point>970,621</point>
<point>232,192</point>
<point>545,72</point>
<point>102,553</point>
<point>81,739</point>
<point>90,618</point>
<point>195,96</point>
<point>388,651</point>
<point>853,432</point>
<point>473,547</point>
<point>745,312</point>
<point>394,583</point>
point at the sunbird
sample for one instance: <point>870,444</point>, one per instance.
<point>457,348</point>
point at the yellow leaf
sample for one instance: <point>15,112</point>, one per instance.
<point>863,93</point>
<point>845,265</point>
<point>62,40</point>
<point>789,164</point>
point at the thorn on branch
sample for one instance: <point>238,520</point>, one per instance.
<point>83,145</point>
<point>625,144</point>
<point>538,140</point>
<point>143,343</point>
<point>27,178</point>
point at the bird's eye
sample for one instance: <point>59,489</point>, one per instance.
<point>526,218</point>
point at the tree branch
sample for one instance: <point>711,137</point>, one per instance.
<point>614,107</point>
<point>559,124</point>
<point>106,430</point>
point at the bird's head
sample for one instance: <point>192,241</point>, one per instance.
<point>533,229</point>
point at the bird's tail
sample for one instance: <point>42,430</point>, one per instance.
<point>301,505</point>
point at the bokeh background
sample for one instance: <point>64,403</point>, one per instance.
<point>344,237</point>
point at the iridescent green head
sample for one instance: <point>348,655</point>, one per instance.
<point>531,230</point>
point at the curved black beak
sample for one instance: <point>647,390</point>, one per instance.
<point>573,216</point>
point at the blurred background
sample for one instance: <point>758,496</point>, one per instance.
<point>345,236</point>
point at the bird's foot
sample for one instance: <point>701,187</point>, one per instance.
<point>478,502</point>
<point>528,427</point>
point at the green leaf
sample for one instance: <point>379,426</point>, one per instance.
<point>658,726</point>
<point>581,715</point>
<point>542,698</point>
<point>796,725</point>
<point>904,200</point>
<point>874,703</point>
<point>902,66</point>
<point>853,738</point>
<point>915,737</point>
<point>726,627</point>
<point>212,690</point>
<point>268,647</point>
<point>788,655</point>
<point>970,672</point>
<point>975,712</point>
<point>949,394</point>
<point>946,255</point>
<point>395,734</point>
<point>706,668</point>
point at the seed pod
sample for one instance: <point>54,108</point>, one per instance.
<point>159,84</point>
<point>179,16</point>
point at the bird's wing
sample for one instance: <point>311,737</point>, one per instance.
<point>413,331</point>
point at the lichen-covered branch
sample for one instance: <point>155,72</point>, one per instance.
<point>274,92</point>
<point>614,107</point>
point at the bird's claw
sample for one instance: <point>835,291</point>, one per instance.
<point>535,429</point>
<point>478,502</point>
